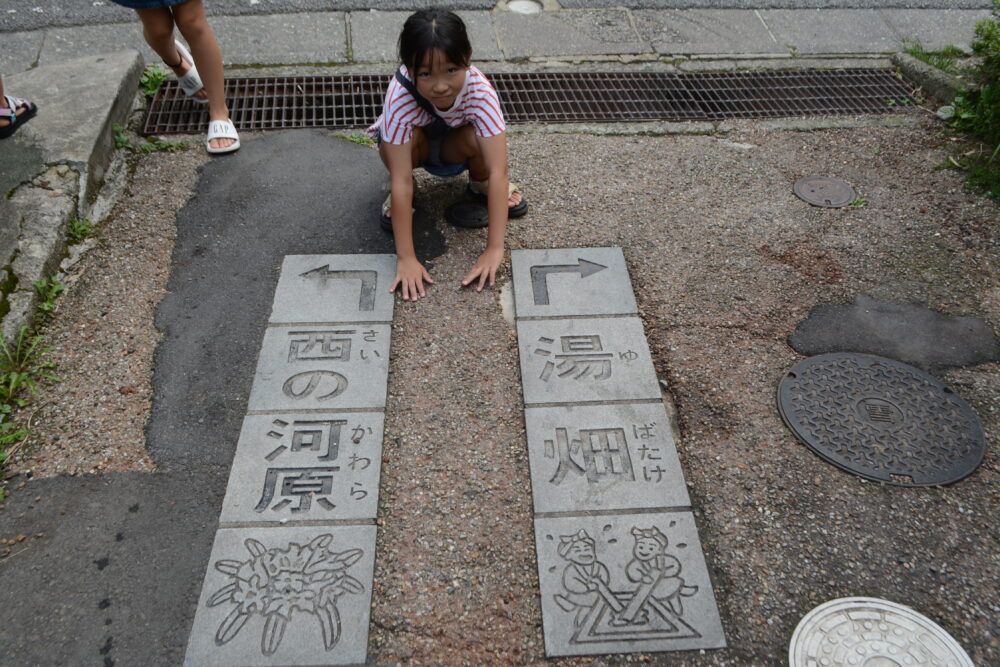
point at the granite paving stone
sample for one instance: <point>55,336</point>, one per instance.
<point>807,31</point>
<point>935,29</point>
<point>63,44</point>
<point>616,457</point>
<point>694,31</point>
<point>571,282</point>
<point>334,367</point>
<point>585,360</point>
<point>374,35</point>
<point>282,39</point>
<point>314,582</point>
<point>625,583</point>
<point>298,467</point>
<point>567,33</point>
<point>334,288</point>
<point>21,50</point>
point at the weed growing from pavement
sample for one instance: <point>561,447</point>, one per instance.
<point>151,145</point>
<point>361,139</point>
<point>47,291</point>
<point>945,59</point>
<point>22,369</point>
<point>151,80</point>
<point>79,229</point>
<point>860,202</point>
<point>977,111</point>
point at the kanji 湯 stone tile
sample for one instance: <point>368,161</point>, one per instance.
<point>585,360</point>
<point>625,583</point>
<point>334,288</point>
<point>571,281</point>
<point>603,457</point>
<point>285,596</point>
<point>335,367</point>
<point>298,467</point>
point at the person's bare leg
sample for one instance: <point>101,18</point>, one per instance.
<point>419,151</point>
<point>193,24</point>
<point>461,146</point>
<point>158,30</point>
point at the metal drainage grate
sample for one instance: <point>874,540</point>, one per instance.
<point>345,102</point>
<point>881,419</point>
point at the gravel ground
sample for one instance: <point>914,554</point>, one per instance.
<point>725,262</point>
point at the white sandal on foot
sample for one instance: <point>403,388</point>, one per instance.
<point>222,129</point>
<point>190,83</point>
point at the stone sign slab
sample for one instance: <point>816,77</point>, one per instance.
<point>299,467</point>
<point>334,367</point>
<point>334,288</point>
<point>285,596</point>
<point>603,457</point>
<point>585,360</point>
<point>571,281</point>
<point>625,583</point>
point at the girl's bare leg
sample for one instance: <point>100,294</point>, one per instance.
<point>461,146</point>
<point>158,29</point>
<point>193,24</point>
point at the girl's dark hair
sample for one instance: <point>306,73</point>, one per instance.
<point>429,30</point>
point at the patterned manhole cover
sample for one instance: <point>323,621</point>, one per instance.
<point>869,632</point>
<point>881,419</point>
<point>824,191</point>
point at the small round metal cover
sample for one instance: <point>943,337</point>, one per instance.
<point>824,191</point>
<point>881,419</point>
<point>869,632</point>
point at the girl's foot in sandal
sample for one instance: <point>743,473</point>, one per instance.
<point>14,113</point>
<point>386,219</point>
<point>220,131</point>
<point>187,76</point>
<point>516,204</point>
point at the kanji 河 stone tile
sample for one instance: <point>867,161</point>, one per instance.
<point>285,596</point>
<point>585,360</point>
<point>335,367</point>
<point>625,583</point>
<point>571,281</point>
<point>334,288</point>
<point>603,457</point>
<point>298,467</point>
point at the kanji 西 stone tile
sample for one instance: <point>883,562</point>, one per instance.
<point>334,367</point>
<point>571,281</point>
<point>302,467</point>
<point>625,583</point>
<point>585,360</point>
<point>334,288</point>
<point>285,596</point>
<point>597,457</point>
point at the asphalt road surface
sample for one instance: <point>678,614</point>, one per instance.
<point>17,15</point>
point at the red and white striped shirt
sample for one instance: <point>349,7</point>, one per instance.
<point>476,104</point>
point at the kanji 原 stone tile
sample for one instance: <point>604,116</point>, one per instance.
<point>300,467</point>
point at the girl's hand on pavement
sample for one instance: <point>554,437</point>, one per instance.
<point>410,278</point>
<point>485,269</point>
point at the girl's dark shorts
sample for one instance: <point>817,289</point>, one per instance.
<point>147,4</point>
<point>433,163</point>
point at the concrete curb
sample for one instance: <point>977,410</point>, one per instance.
<point>56,167</point>
<point>934,82</point>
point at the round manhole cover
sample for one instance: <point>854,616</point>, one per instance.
<point>881,419</point>
<point>869,632</point>
<point>824,191</point>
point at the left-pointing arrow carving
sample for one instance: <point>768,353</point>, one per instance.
<point>368,282</point>
<point>540,276</point>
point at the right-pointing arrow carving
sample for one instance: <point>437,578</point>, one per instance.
<point>368,282</point>
<point>540,276</point>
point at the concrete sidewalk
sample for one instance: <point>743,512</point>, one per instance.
<point>680,36</point>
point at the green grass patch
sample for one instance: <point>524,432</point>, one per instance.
<point>945,59</point>
<point>151,80</point>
